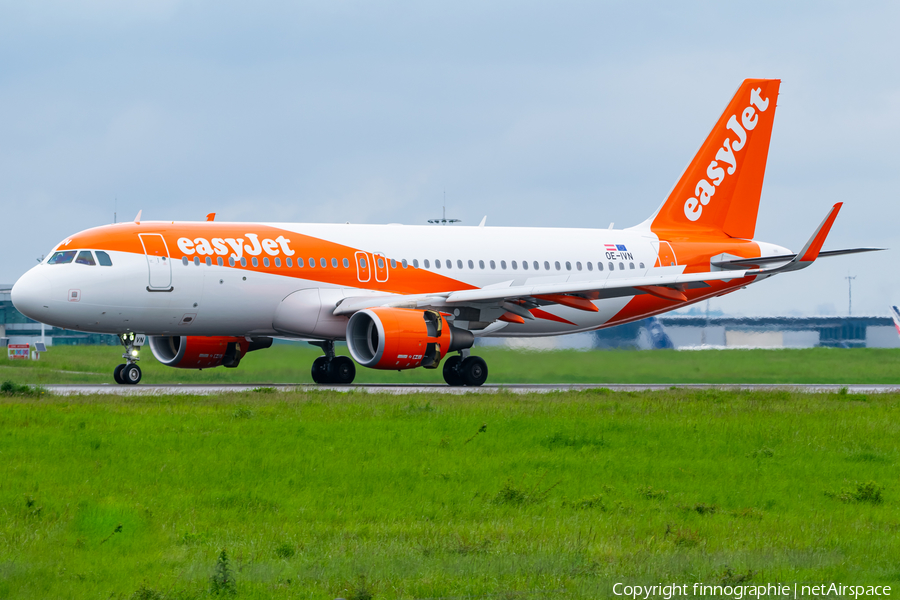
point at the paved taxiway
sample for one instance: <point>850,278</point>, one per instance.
<point>208,389</point>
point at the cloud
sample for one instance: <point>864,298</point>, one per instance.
<point>571,114</point>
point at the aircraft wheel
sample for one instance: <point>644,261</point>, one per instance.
<point>117,374</point>
<point>320,371</point>
<point>131,374</point>
<point>451,371</point>
<point>343,371</point>
<point>473,371</point>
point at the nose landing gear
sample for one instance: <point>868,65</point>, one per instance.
<point>129,373</point>
<point>331,368</point>
<point>464,369</point>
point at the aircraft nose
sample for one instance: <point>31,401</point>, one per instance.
<point>31,295</point>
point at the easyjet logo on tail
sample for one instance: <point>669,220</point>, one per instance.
<point>726,158</point>
<point>252,246</point>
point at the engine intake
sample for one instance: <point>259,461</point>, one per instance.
<point>403,338</point>
<point>197,352</point>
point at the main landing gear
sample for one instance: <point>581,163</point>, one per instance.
<point>464,369</point>
<point>332,369</point>
<point>129,373</point>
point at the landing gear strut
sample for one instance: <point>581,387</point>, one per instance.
<point>129,373</point>
<point>331,368</point>
<point>464,369</point>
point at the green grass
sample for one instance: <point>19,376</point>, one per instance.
<point>291,364</point>
<point>321,494</point>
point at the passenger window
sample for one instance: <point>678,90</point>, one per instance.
<point>493,265</point>
<point>621,266</point>
<point>243,262</point>
<point>416,263</point>
<point>221,262</point>
<point>254,261</point>
<point>568,266</point>
<point>437,264</point>
<point>546,266</point>
<point>449,264</point>
<point>612,267</point>
<point>537,265</point>
<point>556,264</point>
<point>362,262</point>
<point>503,264</point>
<point>599,266</point>
<point>481,264</point>
<point>471,265</point>
<point>324,263</point>
<point>277,262</point>
<point>312,263</point>
<point>590,266</point>
<point>459,264</point>
<point>184,260</point>
<point>289,262</point>
<point>630,265</point>
<point>515,266</point>
<point>231,261</point>
<point>265,261</point>
<point>380,263</point>
<point>85,258</point>
<point>103,258</point>
<point>197,261</point>
<point>642,265</point>
<point>525,264</point>
<point>578,265</point>
<point>393,263</point>
<point>62,258</point>
<point>403,263</point>
<point>427,264</point>
<point>334,263</point>
<point>345,262</point>
<point>299,263</point>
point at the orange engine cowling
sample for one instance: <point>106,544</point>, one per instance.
<point>196,352</point>
<point>403,338</point>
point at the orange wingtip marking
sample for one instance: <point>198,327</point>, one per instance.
<point>543,314</point>
<point>570,301</point>
<point>813,252</point>
<point>511,318</point>
<point>211,217</point>
<point>663,292</point>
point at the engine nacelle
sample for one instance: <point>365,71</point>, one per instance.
<point>196,352</point>
<point>403,338</point>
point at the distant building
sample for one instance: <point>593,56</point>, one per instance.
<point>781,332</point>
<point>696,331</point>
<point>16,328</point>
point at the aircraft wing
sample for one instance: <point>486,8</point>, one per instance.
<point>578,294</point>
<point>745,263</point>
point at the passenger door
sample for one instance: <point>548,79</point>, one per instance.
<point>363,267</point>
<point>158,262</point>
<point>381,267</point>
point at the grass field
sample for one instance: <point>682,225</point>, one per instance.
<point>291,364</point>
<point>322,494</point>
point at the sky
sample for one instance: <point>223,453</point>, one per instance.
<point>533,114</point>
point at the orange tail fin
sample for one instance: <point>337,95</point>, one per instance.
<point>719,191</point>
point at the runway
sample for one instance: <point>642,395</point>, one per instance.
<point>401,389</point>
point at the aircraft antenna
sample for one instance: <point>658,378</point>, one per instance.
<point>444,220</point>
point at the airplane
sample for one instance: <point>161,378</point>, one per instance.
<point>205,293</point>
<point>895,315</point>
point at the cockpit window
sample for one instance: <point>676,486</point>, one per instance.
<point>103,259</point>
<point>62,258</point>
<point>85,258</point>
